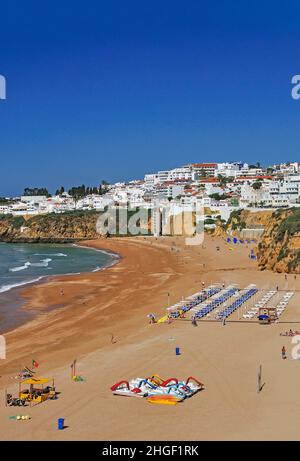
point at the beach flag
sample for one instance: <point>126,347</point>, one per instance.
<point>73,369</point>
<point>35,364</point>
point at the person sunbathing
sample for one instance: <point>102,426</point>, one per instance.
<point>290,333</point>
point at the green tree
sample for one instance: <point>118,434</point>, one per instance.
<point>35,191</point>
<point>103,187</point>
<point>222,180</point>
<point>256,185</point>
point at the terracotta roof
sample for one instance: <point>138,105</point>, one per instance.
<point>202,181</point>
<point>205,165</point>
<point>254,177</point>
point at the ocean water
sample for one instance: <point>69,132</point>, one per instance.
<point>21,264</point>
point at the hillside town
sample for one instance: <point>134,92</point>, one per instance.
<point>223,187</point>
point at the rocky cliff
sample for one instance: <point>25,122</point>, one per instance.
<point>67,227</point>
<point>279,247</point>
<point>247,219</point>
<point>54,228</point>
<point>242,219</point>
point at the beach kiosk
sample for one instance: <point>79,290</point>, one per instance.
<point>36,390</point>
<point>267,315</point>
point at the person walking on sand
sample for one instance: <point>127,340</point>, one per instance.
<point>283,353</point>
<point>194,321</point>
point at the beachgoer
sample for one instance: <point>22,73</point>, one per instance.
<point>152,318</point>
<point>223,285</point>
<point>61,292</point>
<point>277,288</point>
<point>283,353</point>
<point>194,321</point>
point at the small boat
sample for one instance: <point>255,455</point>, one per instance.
<point>123,388</point>
<point>170,390</point>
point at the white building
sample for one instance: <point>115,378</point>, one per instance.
<point>200,169</point>
<point>288,188</point>
<point>288,168</point>
<point>163,176</point>
<point>150,181</point>
<point>181,173</point>
<point>250,172</point>
<point>269,195</point>
<point>230,169</point>
<point>168,189</point>
<point>5,209</point>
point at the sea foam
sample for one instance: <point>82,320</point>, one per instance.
<point>20,268</point>
<point>51,254</point>
<point>15,285</point>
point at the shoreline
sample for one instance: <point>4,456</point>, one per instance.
<point>43,305</point>
<point>41,277</point>
<point>116,258</point>
<point>14,292</point>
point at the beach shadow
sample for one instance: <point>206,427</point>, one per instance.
<point>262,386</point>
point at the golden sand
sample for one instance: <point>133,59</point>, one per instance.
<point>104,325</point>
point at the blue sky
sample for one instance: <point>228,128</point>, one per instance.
<point>112,90</point>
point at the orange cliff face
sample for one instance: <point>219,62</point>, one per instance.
<point>279,244</point>
<point>242,219</point>
<point>279,248</point>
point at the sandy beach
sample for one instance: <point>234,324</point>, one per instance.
<point>101,320</point>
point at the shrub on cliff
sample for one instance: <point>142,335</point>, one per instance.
<point>17,222</point>
<point>291,225</point>
<point>292,265</point>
